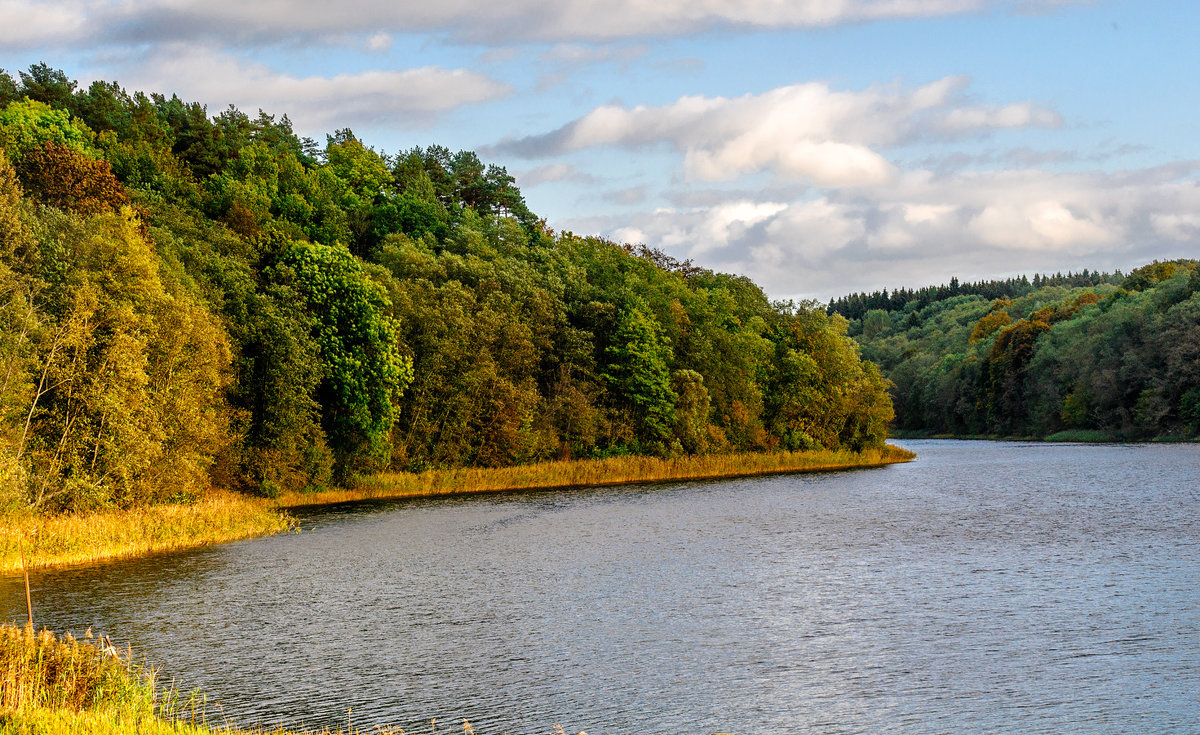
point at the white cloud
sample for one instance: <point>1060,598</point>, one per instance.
<point>234,21</point>
<point>405,97</point>
<point>27,23</point>
<point>802,131</point>
<point>575,54</point>
<point>1180,226</point>
<point>379,42</point>
<point>924,229</point>
<point>544,174</point>
<point>1021,115</point>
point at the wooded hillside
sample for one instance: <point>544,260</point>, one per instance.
<point>190,299</point>
<point>1092,356</point>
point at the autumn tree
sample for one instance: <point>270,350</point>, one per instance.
<point>67,179</point>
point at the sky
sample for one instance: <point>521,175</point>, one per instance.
<point>820,147</point>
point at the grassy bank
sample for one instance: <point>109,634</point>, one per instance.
<point>59,540</point>
<point>52,685</point>
<point>597,472</point>
<point>223,516</point>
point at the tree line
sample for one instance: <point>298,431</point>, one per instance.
<point>856,305</point>
<point>1118,358</point>
<point>192,300</point>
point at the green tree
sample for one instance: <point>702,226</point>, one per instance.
<point>8,89</point>
<point>127,405</point>
<point>27,124</point>
<point>691,410</point>
<point>362,373</point>
<point>638,373</point>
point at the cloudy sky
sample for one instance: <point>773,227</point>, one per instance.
<point>817,146</point>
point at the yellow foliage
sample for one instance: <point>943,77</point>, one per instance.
<point>989,324</point>
<point>129,404</point>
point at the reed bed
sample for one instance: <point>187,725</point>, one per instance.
<point>58,540</point>
<point>41,670</point>
<point>596,472</point>
<point>52,685</point>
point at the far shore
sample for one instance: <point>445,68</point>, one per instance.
<point>35,541</point>
<point>1061,437</point>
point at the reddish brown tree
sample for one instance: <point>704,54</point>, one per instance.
<point>68,179</point>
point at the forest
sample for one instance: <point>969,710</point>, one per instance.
<point>1087,356</point>
<point>194,300</point>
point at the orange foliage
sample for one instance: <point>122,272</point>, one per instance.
<point>243,221</point>
<point>67,179</point>
<point>1060,312</point>
<point>988,325</point>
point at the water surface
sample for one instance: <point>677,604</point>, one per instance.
<point>988,587</point>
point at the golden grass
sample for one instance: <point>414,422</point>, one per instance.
<point>46,721</point>
<point>596,472</point>
<point>52,685</point>
<point>59,540</point>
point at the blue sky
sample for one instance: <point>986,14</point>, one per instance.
<point>818,146</point>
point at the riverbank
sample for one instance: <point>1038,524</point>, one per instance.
<point>219,517</point>
<point>1077,436</point>
<point>51,685</point>
<point>61,540</point>
<point>596,473</point>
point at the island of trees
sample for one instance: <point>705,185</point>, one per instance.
<point>192,300</point>
<point>1089,356</point>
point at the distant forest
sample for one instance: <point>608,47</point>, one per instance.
<point>191,300</point>
<point>855,306</point>
<point>1088,356</point>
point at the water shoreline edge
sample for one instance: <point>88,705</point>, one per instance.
<point>223,516</point>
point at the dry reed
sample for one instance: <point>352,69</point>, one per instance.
<point>596,473</point>
<point>42,670</point>
<point>57,540</point>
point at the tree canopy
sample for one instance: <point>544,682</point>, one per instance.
<point>192,299</point>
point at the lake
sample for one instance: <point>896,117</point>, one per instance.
<point>987,587</point>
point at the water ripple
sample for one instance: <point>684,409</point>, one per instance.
<point>987,588</point>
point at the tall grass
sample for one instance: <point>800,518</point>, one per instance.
<point>597,472</point>
<point>43,670</point>
<point>54,685</point>
<point>57,540</point>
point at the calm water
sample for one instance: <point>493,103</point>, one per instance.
<point>986,588</point>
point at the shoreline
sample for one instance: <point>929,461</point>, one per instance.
<point>1058,438</point>
<point>578,474</point>
<point>49,542</point>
